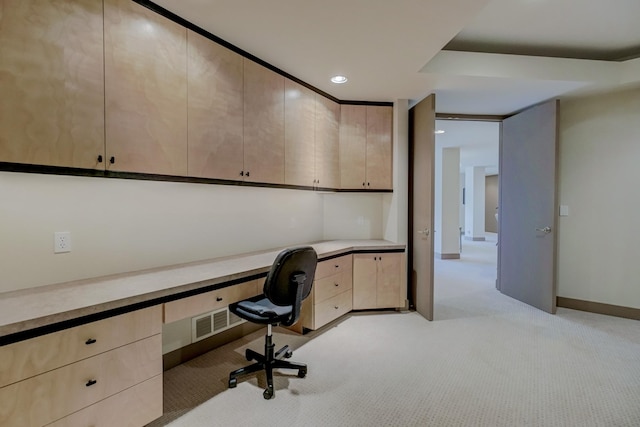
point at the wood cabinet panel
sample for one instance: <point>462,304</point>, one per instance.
<point>364,281</point>
<point>378,281</point>
<point>215,111</point>
<point>208,301</point>
<point>50,396</point>
<point>379,147</point>
<point>51,81</point>
<point>327,137</point>
<point>388,289</point>
<point>134,407</point>
<point>353,145</point>
<point>333,266</point>
<point>25,359</point>
<point>145,90</point>
<point>263,124</point>
<point>332,308</point>
<point>333,285</point>
<point>299,134</point>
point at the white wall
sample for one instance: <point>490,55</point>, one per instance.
<point>599,179</point>
<point>396,205</point>
<point>352,216</point>
<point>474,203</point>
<point>125,225</point>
<point>446,201</point>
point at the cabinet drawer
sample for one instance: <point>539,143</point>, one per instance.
<point>134,407</point>
<point>55,394</point>
<point>332,286</point>
<point>332,308</point>
<point>25,359</point>
<point>333,266</point>
<point>208,301</point>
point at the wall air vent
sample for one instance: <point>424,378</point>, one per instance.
<point>213,322</point>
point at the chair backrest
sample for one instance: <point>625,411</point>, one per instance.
<point>280,286</point>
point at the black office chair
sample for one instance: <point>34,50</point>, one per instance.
<point>287,284</point>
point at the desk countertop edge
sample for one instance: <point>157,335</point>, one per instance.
<point>40,307</point>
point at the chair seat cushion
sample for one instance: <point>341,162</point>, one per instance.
<point>261,310</point>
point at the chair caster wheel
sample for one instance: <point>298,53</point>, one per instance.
<point>288,354</point>
<point>268,394</point>
<point>233,382</point>
<point>302,373</point>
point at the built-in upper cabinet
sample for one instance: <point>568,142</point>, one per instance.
<point>215,93</point>
<point>145,90</point>
<point>327,143</point>
<point>366,147</point>
<point>379,147</point>
<point>115,86</point>
<point>299,134</point>
<point>353,146</point>
<point>263,124</point>
<point>52,85</point>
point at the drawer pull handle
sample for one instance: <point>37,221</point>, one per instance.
<point>218,299</point>
<point>90,341</point>
<point>90,383</point>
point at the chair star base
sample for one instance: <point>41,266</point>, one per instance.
<point>268,362</point>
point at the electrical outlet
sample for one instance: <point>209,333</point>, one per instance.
<point>61,242</point>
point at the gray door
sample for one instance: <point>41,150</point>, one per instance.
<point>527,206</point>
<point>422,120</point>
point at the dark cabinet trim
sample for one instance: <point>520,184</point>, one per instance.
<point>58,170</point>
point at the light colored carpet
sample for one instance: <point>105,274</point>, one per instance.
<point>487,360</point>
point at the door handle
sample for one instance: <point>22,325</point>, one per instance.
<point>425,231</point>
<point>545,230</point>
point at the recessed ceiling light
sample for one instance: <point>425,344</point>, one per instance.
<point>439,132</point>
<point>339,79</point>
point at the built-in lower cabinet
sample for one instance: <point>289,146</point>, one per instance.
<point>331,294</point>
<point>82,371</point>
<point>378,281</point>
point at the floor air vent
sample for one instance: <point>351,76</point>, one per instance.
<point>208,324</point>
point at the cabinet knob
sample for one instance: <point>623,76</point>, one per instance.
<point>90,383</point>
<point>336,307</point>
<point>368,184</point>
<point>218,299</point>
<point>112,160</point>
<point>100,158</point>
<point>247,174</point>
<point>241,173</point>
<point>90,341</point>
<point>337,284</point>
<point>337,266</point>
<point>363,184</point>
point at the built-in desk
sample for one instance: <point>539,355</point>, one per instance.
<point>92,348</point>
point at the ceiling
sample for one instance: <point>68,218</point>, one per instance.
<point>480,57</point>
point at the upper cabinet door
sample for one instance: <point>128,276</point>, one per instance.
<point>379,147</point>
<point>327,143</point>
<point>299,134</point>
<point>146,90</point>
<point>215,109</point>
<point>353,143</point>
<point>263,124</point>
<point>51,83</point>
